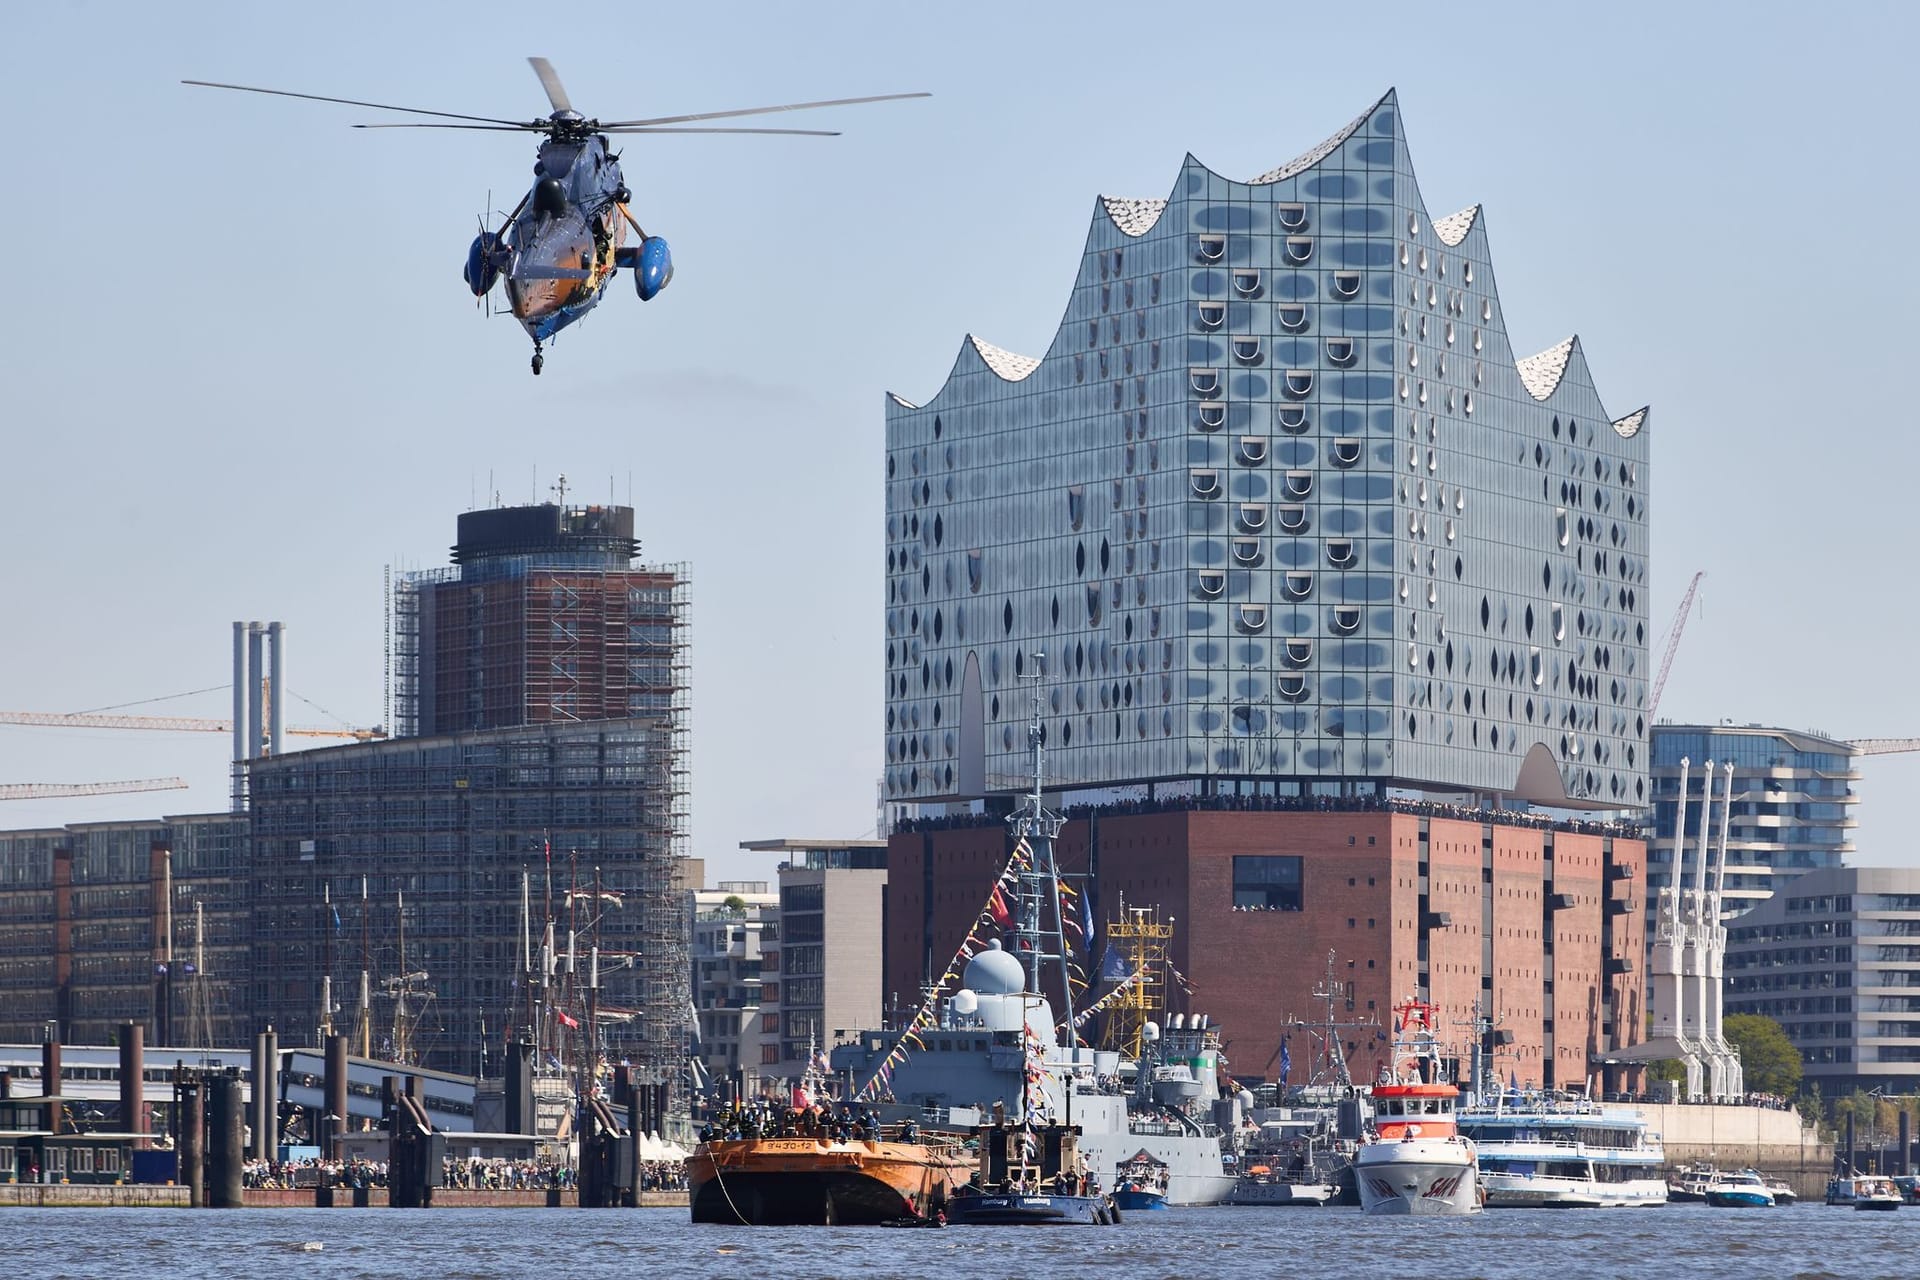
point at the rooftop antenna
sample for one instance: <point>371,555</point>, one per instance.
<point>560,489</point>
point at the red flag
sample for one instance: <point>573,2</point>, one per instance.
<point>997,908</point>
<point>566,1020</point>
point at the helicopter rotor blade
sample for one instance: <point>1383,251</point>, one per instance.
<point>491,128</point>
<point>352,102</point>
<point>760,111</point>
<point>803,133</point>
<point>550,81</point>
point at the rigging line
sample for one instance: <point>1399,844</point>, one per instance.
<point>317,707</point>
<point>165,697</point>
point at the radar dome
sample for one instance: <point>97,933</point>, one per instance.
<point>995,973</point>
<point>965,1001</point>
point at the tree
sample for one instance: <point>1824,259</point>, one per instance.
<point>1767,1057</point>
<point>735,904</point>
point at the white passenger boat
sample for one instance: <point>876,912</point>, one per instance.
<point>1564,1152</point>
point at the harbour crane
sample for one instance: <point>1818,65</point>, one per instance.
<point>1884,746</point>
<point>1673,643</point>
<point>50,790</point>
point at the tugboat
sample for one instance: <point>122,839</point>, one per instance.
<point>1031,1175</point>
<point>1416,1162</point>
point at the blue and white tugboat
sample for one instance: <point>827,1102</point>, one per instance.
<point>1031,1175</point>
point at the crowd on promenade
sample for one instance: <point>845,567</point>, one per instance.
<point>462,1174</point>
<point>1295,804</point>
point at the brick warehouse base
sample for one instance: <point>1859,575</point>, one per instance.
<point>1545,922</point>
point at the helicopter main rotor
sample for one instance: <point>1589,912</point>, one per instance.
<point>565,123</point>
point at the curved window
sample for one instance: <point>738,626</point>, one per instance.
<point>1210,248</point>
<point>1293,518</point>
<point>1206,482</point>
<point>974,568</point>
<point>1345,451</point>
<point>1298,484</point>
<point>1253,450</point>
<point>1535,669</point>
<point>1292,316</point>
<point>1246,281</point>
<point>1204,382</point>
<point>1210,315</point>
<point>1340,553</point>
<point>1346,284</point>
<point>1299,249</point>
<point>1561,526</point>
<point>1292,687</point>
<point>1246,350</point>
<point>1210,582</point>
<point>1341,351</point>
<point>1253,515</point>
<point>1246,550</point>
<point>1292,216</point>
<point>1076,505</point>
<point>1299,383</point>
<point>1346,619</point>
<point>1559,624</point>
<point>1297,652</point>
<point>1212,414</point>
<point>1297,586</point>
<point>1253,617</point>
<point>1293,418</point>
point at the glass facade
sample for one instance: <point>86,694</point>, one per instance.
<point>1278,504</point>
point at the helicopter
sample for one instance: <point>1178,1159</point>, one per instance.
<point>563,243</point>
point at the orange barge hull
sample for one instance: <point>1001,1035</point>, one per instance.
<point>808,1182</point>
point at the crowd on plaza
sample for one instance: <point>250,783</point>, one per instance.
<point>467,1174</point>
<point>1295,804</point>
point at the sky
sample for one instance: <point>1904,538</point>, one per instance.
<point>242,374</point>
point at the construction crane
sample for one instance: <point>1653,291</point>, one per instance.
<point>1673,643</point>
<point>49,790</point>
<point>169,724</point>
<point>1884,746</point>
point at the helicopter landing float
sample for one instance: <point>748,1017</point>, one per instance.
<point>561,246</point>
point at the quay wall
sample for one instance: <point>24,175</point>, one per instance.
<point>62,1196</point>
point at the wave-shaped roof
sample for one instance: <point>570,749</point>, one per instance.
<point>1133,217</point>
<point>1010,365</point>
<point>1540,374</point>
<point>1307,159</point>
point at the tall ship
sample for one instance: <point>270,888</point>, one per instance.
<point>1415,1161</point>
<point>1564,1152</point>
<point>1009,1043</point>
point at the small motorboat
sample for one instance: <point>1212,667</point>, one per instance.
<point>1743,1190</point>
<point>1875,1193</point>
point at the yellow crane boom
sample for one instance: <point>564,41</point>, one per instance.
<point>48,790</point>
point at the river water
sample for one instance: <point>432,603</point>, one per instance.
<point>1687,1242</point>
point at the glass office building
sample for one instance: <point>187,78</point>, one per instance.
<point>1792,808</point>
<point>1282,509</point>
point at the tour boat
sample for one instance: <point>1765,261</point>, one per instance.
<point>1556,1152</point>
<point>1416,1161</point>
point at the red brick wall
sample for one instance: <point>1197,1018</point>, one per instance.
<point>1252,971</point>
<point>1519,951</point>
<point>1579,871</point>
<point>1454,954</point>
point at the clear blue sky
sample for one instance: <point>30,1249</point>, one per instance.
<point>242,374</point>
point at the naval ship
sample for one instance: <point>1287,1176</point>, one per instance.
<point>997,1049</point>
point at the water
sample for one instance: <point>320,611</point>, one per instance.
<point>1693,1241</point>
